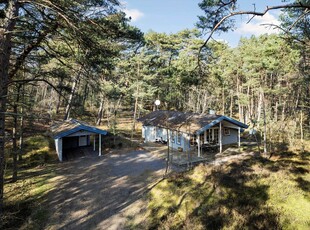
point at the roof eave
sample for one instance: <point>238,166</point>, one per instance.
<point>79,128</point>
<point>218,120</point>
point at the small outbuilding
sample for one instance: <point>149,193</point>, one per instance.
<point>73,134</point>
<point>186,131</point>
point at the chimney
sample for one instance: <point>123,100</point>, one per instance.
<point>211,112</point>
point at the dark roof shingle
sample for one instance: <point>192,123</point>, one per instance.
<point>185,121</point>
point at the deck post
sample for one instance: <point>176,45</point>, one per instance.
<point>99,144</point>
<point>94,142</point>
<point>220,137</point>
<point>239,137</point>
<point>198,145</point>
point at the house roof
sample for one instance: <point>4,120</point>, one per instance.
<point>68,127</point>
<point>185,121</point>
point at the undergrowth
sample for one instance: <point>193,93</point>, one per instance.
<point>23,199</point>
<point>252,193</point>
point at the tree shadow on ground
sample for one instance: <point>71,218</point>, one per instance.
<point>93,189</point>
<point>230,194</point>
<point>303,184</point>
<point>242,193</point>
<point>239,194</point>
<point>19,206</point>
<point>238,199</point>
<point>296,164</point>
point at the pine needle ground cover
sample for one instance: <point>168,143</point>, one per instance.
<point>24,199</point>
<point>252,193</point>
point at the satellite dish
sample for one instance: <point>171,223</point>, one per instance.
<point>157,102</point>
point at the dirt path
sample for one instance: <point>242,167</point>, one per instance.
<point>96,192</point>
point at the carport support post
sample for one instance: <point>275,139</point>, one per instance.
<point>239,137</point>
<point>220,136</point>
<point>99,144</point>
<point>198,145</point>
<point>94,142</point>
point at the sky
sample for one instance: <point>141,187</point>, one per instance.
<point>171,16</point>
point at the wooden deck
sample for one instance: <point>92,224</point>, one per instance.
<point>190,158</point>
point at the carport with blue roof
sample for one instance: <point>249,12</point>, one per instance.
<point>73,134</point>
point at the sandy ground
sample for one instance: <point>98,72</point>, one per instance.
<point>100,192</point>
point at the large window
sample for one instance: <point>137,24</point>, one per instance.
<point>211,136</point>
<point>172,136</point>
<point>193,140</point>
<point>179,137</point>
<point>208,136</point>
<point>215,136</point>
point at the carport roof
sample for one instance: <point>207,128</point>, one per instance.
<point>65,128</point>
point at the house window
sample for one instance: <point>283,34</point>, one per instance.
<point>172,136</point>
<point>143,131</point>
<point>226,131</point>
<point>192,140</point>
<point>179,136</point>
<point>211,136</point>
<point>208,135</point>
<point>215,136</point>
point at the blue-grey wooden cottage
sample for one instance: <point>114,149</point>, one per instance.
<point>185,131</point>
<point>72,134</point>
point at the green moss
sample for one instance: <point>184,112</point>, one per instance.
<point>291,201</point>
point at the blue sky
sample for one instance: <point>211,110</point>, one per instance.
<point>171,16</point>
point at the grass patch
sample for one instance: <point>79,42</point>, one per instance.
<point>252,193</point>
<point>23,200</point>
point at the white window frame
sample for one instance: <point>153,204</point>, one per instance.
<point>226,131</point>
<point>179,138</point>
<point>172,136</point>
<point>192,140</point>
<point>211,134</point>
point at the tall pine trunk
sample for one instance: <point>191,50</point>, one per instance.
<point>21,134</point>
<point>14,136</point>
<point>259,107</point>
<point>14,140</point>
<point>100,112</point>
<point>135,110</point>
<point>70,100</point>
<point>6,31</point>
<point>265,123</point>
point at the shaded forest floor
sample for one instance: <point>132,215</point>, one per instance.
<point>23,199</point>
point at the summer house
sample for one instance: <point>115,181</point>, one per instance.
<point>185,131</point>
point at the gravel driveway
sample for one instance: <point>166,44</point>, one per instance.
<point>96,192</point>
